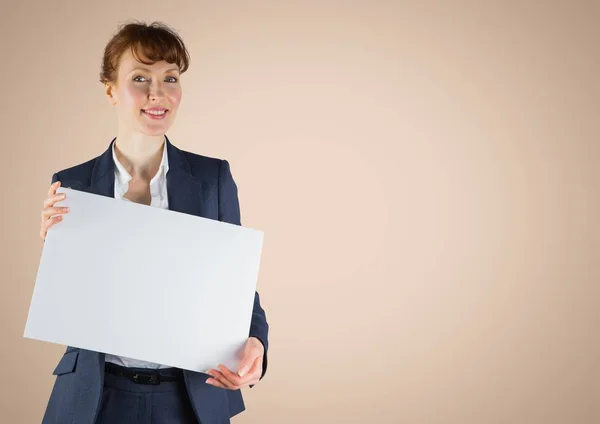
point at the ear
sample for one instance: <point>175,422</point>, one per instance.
<point>110,91</point>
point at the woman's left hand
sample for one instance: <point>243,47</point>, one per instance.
<point>249,371</point>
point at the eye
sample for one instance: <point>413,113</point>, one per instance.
<point>172,79</point>
<point>139,76</point>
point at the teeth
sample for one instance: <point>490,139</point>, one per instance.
<point>155,112</point>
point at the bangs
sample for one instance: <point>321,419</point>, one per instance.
<point>148,44</point>
<point>154,47</point>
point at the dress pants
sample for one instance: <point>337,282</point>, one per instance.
<point>127,402</point>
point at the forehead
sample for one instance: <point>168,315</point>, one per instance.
<point>128,62</point>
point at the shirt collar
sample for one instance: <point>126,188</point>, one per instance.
<point>123,176</point>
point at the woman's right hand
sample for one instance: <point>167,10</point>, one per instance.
<point>48,220</point>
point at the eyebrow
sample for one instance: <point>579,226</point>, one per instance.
<point>148,70</point>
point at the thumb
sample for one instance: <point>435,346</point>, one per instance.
<point>245,365</point>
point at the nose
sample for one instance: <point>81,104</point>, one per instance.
<point>156,91</point>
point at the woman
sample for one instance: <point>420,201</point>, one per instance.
<point>141,71</point>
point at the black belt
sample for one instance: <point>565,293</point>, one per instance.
<point>142,377</point>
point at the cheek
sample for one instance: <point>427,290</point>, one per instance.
<point>134,96</point>
<point>174,96</point>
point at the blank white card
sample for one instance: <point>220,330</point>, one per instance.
<point>146,283</point>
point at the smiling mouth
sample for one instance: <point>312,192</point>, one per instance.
<point>155,112</point>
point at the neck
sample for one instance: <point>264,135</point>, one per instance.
<point>140,154</point>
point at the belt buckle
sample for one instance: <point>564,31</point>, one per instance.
<point>141,378</point>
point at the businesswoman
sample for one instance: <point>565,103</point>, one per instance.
<point>141,71</point>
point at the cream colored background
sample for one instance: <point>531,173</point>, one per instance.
<point>427,177</point>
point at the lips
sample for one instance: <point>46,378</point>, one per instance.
<point>155,113</point>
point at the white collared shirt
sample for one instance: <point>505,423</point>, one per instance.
<point>158,193</point>
<point>158,183</point>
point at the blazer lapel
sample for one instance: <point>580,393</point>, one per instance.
<point>103,174</point>
<point>183,190</point>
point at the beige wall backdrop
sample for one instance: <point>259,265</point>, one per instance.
<point>426,174</point>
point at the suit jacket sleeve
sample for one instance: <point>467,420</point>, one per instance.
<point>229,211</point>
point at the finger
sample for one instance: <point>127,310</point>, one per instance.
<point>248,361</point>
<point>50,222</point>
<point>243,382</point>
<point>51,200</point>
<point>256,368</point>
<point>229,375</point>
<point>47,224</point>
<point>255,371</point>
<point>48,212</point>
<point>216,383</point>
<point>251,353</point>
<point>245,365</point>
<point>250,380</point>
<point>53,188</point>
<point>234,378</point>
<point>216,375</point>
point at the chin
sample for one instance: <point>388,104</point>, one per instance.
<point>154,133</point>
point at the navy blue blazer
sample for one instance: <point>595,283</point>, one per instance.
<point>197,185</point>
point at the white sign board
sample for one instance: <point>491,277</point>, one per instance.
<point>147,283</point>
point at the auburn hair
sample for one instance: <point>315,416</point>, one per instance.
<point>153,42</point>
